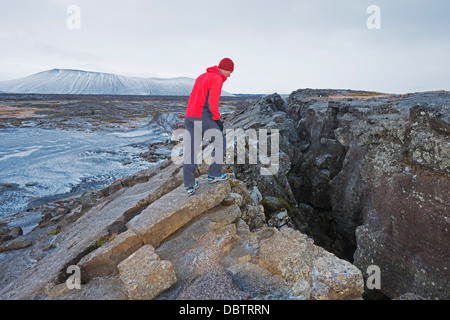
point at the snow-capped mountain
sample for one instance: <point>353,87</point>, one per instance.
<point>66,81</point>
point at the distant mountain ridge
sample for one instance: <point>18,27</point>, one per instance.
<point>68,81</point>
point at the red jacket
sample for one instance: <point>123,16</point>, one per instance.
<point>212,80</point>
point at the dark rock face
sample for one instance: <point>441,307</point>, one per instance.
<point>369,174</point>
<point>268,113</point>
<point>405,214</point>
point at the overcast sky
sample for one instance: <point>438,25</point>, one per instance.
<point>277,46</point>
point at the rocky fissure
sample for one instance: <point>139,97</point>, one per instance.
<point>365,177</point>
<point>362,179</point>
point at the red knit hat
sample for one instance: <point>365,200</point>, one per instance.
<point>226,64</point>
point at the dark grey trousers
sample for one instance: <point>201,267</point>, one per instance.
<point>198,128</point>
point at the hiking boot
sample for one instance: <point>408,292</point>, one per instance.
<point>223,177</point>
<point>191,190</point>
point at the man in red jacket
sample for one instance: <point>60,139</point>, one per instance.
<point>203,120</point>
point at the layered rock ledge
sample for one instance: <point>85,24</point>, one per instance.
<point>158,243</point>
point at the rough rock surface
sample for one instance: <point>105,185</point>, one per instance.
<point>365,176</point>
<point>272,189</point>
<point>58,246</point>
<point>171,246</point>
<point>369,172</point>
<point>144,275</point>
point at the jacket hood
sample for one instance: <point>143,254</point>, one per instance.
<point>215,69</point>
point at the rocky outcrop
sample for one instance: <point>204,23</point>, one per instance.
<point>146,239</point>
<point>272,191</point>
<point>371,182</point>
<point>219,257</point>
<point>405,213</point>
<point>362,180</point>
<point>62,244</point>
